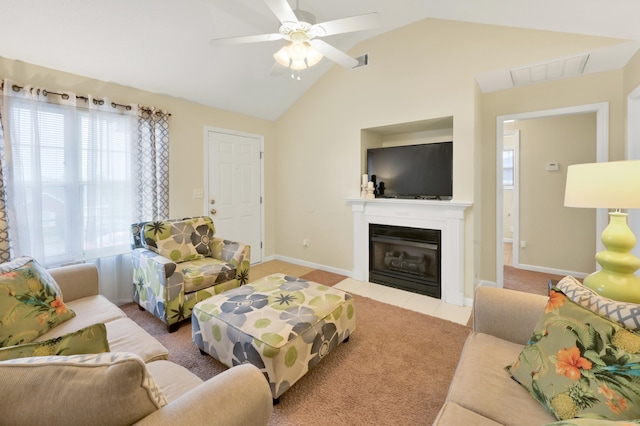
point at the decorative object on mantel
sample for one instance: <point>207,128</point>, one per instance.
<point>363,192</point>
<point>611,185</point>
<point>370,189</point>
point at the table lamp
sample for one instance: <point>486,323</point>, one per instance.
<point>611,185</point>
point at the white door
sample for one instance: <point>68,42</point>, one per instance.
<point>234,185</point>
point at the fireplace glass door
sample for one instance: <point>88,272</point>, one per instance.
<point>405,258</point>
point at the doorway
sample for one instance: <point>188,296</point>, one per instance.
<point>234,187</point>
<point>601,111</point>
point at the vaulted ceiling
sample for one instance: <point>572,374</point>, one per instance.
<point>162,46</point>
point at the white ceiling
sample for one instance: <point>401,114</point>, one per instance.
<point>162,45</point>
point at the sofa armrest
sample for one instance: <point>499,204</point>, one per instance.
<point>77,281</point>
<point>238,396</point>
<point>507,314</point>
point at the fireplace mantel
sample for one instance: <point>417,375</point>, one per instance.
<point>447,216</point>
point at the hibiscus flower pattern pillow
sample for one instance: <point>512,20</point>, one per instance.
<point>30,302</point>
<point>580,364</point>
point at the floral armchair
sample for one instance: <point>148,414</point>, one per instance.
<point>177,263</point>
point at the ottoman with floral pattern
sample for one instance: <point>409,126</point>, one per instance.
<point>281,324</point>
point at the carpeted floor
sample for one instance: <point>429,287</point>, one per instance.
<point>395,369</point>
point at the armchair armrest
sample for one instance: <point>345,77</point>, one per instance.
<point>160,265</point>
<point>508,314</point>
<point>238,254</point>
<point>76,281</point>
<point>238,396</point>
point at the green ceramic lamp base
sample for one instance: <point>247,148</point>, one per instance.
<point>617,280</point>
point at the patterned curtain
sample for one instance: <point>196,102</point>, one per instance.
<point>152,153</point>
<point>5,250</point>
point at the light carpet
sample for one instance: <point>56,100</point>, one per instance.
<point>395,369</point>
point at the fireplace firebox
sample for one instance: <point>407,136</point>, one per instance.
<point>405,258</point>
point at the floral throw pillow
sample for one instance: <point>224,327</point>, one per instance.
<point>30,302</point>
<point>180,240</point>
<point>580,364</point>
<point>89,340</point>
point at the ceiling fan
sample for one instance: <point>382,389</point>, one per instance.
<point>305,48</point>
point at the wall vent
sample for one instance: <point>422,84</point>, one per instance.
<point>363,61</point>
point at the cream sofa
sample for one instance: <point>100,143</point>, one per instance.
<point>482,392</point>
<point>239,396</point>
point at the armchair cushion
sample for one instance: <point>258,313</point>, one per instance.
<point>203,273</point>
<point>30,302</point>
<point>89,340</point>
<point>180,240</point>
<point>112,389</point>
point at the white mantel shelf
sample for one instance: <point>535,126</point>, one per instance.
<point>446,216</point>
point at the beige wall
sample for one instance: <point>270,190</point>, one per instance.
<point>187,124</point>
<point>419,72</point>
<point>588,89</point>
<point>556,237</point>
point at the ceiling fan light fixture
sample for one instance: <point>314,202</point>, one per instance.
<point>282,56</point>
<point>297,56</point>
<point>298,64</point>
<point>313,56</point>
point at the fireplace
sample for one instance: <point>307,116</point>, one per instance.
<point>445,216</point>
<point>405,258</point>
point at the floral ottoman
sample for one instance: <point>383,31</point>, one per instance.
<point>281,324</point>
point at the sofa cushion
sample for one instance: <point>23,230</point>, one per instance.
<point>627,314</point>
<point>172,379</point>
<point>89,310</point>
<point>89,340</point>
<point>580,364</point>
<point>455,415</point>
<point>203,273</point>
<point>483,386</point>
<point>102,389</point>
<point>127,336</point>
<point>30,302</point>
<point>180,240</point>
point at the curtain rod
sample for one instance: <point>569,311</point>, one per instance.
<point>65,96</point>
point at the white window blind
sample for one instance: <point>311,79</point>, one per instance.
<point>70,181</point>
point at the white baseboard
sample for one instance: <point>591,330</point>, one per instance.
<point>553,271</point>
<point>485,283</point>
<point>312,265</point>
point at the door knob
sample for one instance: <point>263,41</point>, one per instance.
<point>214,211</point>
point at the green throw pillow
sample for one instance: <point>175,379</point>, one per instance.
<point>89,340</point>
<point>30,302</point>
<point>580,364</point>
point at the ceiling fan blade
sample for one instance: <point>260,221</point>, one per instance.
<point>245,39</point>
<point>346,25</point>
<point>337,56</point>
<point>282,10</point>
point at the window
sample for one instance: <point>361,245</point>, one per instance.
<point>508,168</point>
<point>71,189</point>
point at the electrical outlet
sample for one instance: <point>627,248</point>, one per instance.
<point>305,242</point>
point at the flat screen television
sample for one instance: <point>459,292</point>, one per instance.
<point>412,171</point>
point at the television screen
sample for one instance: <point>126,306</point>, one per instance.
<point>413,171</point>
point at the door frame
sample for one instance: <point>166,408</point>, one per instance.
<point>632,152</point>
<point>205,201</point>
<point>602,154</point>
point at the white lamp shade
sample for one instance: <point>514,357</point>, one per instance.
<point>611,185</point>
